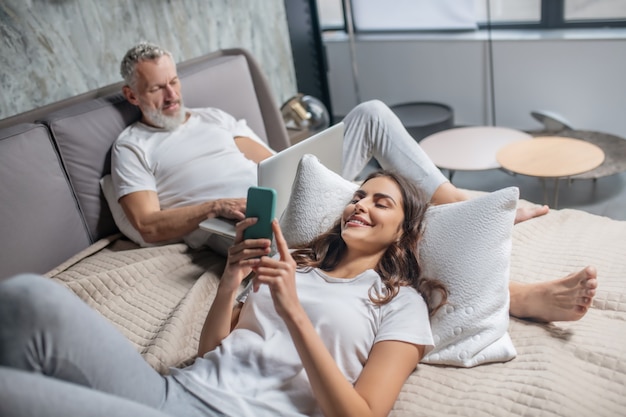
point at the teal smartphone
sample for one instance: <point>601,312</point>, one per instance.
<point>261,204</point>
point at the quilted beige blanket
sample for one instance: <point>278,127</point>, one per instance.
<point>158,297</point>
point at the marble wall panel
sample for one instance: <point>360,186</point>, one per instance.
<point>54,49</point>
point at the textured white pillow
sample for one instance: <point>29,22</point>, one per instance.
<point>119,217</point>
<point>466,245</point>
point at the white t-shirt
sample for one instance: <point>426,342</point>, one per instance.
<point>256,370</point>
<point>197,162</point>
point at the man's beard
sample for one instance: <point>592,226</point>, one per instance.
<point>157,118</point>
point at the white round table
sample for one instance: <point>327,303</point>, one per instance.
<point>469,148</point>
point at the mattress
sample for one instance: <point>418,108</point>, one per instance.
<point>158,297</point>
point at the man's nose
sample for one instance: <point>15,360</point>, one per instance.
<point>170,93</point>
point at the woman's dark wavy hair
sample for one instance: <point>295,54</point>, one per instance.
<point>400,264</point>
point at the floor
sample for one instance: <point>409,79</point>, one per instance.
<point>605,196</point>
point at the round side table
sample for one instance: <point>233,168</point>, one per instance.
<point>469,148</point>
<point>550,157</point>
<point>614,148</point>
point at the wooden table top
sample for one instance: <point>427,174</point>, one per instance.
<point>550,157</point>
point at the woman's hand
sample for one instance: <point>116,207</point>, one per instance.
<point>243,255</point>
<point>280,276</point>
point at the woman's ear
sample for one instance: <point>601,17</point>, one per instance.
<point>399,235</point>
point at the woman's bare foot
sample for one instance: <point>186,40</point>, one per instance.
<point>526,213</point>
<point>565,299</point>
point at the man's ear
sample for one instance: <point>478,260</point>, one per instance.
<point>130,95</point>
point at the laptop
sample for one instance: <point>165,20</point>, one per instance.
<point>279,170</point>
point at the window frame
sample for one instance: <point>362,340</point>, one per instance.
<point>552,17</point>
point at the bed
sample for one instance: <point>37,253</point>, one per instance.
<point>158,296</point>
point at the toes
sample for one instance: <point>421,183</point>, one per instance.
<point>581,309</point>
<point>590,272</point>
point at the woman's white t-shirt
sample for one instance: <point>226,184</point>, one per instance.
<point>256,371</point>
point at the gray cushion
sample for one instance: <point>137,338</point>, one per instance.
<point>84,133</point>
<point>40,221</point>
<point>224,83</point>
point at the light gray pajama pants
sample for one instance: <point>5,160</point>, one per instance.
<point>373,130</point>
<point>59,357</point>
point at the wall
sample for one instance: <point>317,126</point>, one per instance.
<point>54,49</point>
<point>576,75</point>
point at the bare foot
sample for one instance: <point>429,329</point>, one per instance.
<point>527,213</point>
<point>565,299</point>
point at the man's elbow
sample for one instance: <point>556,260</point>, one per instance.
<point>151,238</point>
<point>149,235</point>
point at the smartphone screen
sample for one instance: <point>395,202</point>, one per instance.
<point>261,204</point>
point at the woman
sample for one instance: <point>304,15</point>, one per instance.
<point>331,329</point>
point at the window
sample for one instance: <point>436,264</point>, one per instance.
<point>522,14</point>
<point>508,11</point>
<point>331,14</point>
<point>586,10</point>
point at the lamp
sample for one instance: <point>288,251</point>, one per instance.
<point>305,113</point>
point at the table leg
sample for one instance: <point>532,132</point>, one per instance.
<point>544,189</point>
<point>556,193</point>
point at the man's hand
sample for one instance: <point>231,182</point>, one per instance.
<point>230,208</point>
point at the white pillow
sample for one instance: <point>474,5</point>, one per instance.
<point>119,217</point>
<point>466,245</point>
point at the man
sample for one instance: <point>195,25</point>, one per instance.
<point>165,166</point>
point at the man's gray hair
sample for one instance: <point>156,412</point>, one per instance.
<point>141,52</point>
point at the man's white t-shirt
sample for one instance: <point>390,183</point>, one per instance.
<point>256,370</point>
<point>197,162</point>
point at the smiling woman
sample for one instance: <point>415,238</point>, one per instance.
<point>374,217</point>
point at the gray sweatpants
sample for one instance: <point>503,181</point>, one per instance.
<point>59,357</point>
<point>373,130</point>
